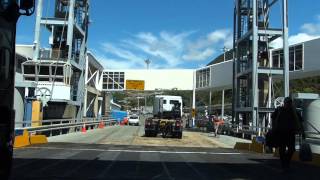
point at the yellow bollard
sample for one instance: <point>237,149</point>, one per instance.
<point>22,140</point>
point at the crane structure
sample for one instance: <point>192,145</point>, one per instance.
<point>255,29</point>
<point>58,67</point>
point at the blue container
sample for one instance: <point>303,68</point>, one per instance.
<point>118,115</point>
<point>27,113</point>
<point>260,139</point>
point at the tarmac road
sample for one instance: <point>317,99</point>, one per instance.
<point>121,152</point>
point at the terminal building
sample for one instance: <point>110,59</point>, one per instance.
<point>99,82</point>
<point>304,61</point>
<point>152,79</point>
<point>304,70</point>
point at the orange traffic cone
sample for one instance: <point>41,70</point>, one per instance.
<point>101,125</point>
<point>84,129</point>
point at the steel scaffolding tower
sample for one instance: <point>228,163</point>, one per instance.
<point>59,66</point>
<point>253,70</point>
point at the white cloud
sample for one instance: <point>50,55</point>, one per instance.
<point>196,55</point>
<point>218,35</point>
<point>311,28</point>
<point>301,37</point>
<point>125,54</point>
<point>116,64</point>
<point>308,32</point>
<point>166,49</point>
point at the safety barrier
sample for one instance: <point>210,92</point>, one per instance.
<point>38,134</point>
<point>63,126</point>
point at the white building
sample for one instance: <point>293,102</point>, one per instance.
<point>154,79</point>
<point>304,61</point>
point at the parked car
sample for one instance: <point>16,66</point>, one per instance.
<point>134,120</point>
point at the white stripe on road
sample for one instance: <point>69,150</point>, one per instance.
<point>137,151</point>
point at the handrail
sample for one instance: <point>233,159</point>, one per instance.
<point>64,120</point>
<point>71,123</point>
<point>313,127</point>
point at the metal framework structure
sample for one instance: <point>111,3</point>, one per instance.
<point>113,80</point>
<point>253,71</point>
<point>93,87</point>
<point>63,63</point>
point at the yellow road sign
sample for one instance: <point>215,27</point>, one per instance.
<point>193,113</point>
<point>135,85</point>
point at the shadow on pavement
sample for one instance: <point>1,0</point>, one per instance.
<point>99,169</point>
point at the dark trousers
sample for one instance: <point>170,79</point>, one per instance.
<point>286,148</point>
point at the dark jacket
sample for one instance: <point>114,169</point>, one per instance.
<point>286,120</point>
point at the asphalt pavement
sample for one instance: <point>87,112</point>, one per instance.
<point>111,153</point>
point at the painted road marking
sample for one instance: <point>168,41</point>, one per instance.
<point>138,151</point>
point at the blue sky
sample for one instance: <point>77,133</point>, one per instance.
<point>171,33</point>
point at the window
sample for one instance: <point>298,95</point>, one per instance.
<point>281,58</point>
<point>43,70</point>
<point>275,60</point>
<point>291,59</point>
<point>113,80</point>
<point>164,101</point>
<point>295,58</point>
<point>29,69</point>
<point>298,57</point>
<point>174,102</point>
<point>203,78</point>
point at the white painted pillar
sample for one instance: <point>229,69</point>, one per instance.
<point>222,105</point>
<point>194,98</point>
<point>210,101</point>
<point>36,42</point>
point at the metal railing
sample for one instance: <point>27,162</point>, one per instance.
<point>63,126</point>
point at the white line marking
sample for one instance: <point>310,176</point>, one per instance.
<point>166,170</point>
<point>138,151</point>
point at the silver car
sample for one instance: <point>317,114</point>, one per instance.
<point>134,120</point>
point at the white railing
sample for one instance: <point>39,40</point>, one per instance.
<point>64,126</point>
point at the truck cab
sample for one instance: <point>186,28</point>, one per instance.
<point>167,113</point>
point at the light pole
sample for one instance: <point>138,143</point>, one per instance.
<point>139,97</point>
<point>147,61</point>
<point>225,50</point>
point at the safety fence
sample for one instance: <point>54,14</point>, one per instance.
<point>248,132</point>
<point>64,126</point>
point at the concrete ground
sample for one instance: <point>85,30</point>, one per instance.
<point>122,152</point>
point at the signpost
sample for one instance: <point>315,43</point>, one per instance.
<point>135,85</point>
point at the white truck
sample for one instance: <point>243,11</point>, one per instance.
<point>165,103</point>
<point>167,111</point>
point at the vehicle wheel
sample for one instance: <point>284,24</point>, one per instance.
<point>147,134</point>
<point>155,134</point>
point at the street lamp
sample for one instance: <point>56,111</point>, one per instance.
<point>225,50</point>
<point>147,61</point>
<point>139,97</point>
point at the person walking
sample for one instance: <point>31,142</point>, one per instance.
<point>217,123</point>
<point>286,123</point>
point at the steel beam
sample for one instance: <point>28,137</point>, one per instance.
<point>285,47</point>
<point>37,31</point>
